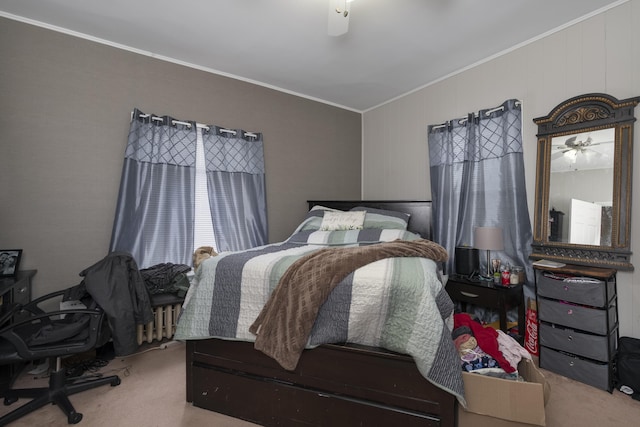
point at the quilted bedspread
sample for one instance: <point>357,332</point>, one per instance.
<point>397,303</point>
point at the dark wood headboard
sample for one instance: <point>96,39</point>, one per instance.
<point>420,211</point>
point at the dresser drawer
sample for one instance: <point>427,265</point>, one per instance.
<point>579,343</point>
<point>587,319</point>
<point>267,402</point>
<point>476,294</point>
<point>580,290</point>
<point>590,372</point>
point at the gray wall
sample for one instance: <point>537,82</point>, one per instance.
<point>65,106</point>
<point>599,54</point>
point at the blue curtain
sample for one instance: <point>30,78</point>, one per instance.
<point>477,180</point>
<point>155,214</point>
<point>237,190</point>
<point>155,209</point>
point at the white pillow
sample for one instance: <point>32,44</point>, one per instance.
<point>323,208</point>
<point>342,220</point>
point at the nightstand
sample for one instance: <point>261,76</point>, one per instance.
<point>486,294</point>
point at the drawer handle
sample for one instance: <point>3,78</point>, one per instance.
<point>571,363</point>
<point>565,287</point>
<point>467,294</point>
<point>569,312</point>
<point>569,338</point>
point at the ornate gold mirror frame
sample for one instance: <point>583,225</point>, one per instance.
<point>569,134</point>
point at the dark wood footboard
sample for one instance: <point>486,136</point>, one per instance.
<point>337,385</point>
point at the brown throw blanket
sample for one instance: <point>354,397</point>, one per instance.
<point>285,322</point>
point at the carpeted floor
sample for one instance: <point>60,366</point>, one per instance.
<point>152,393</point>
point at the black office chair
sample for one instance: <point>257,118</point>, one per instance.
<point>38,335</point>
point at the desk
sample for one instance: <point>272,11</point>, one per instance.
<point>486,294</point>
<point>13,291</point>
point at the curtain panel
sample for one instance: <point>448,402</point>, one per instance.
<point>155,213</point>
<point>153,220</point>
<point>237,189</point>
<point>477,180</point>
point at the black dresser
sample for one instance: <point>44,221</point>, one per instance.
<point>578,330</point>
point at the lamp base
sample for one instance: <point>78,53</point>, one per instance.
<point>488,263</point>
<point>488,276</point>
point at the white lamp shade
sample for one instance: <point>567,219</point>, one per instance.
<point>488,238</point>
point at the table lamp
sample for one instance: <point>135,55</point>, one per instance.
<point>489,239</point>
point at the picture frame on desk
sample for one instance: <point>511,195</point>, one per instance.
<point>9,262</point>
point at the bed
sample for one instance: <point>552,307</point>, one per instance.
<point>341,378</point>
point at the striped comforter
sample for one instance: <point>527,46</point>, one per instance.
<point>396,303</point>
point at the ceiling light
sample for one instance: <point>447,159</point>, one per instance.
<point>339,17</point>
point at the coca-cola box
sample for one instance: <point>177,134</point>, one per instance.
<point>531,330</point>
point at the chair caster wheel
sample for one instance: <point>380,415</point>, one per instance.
<point>74,418</point>
<point>115,382</point>
<point>9,400</point>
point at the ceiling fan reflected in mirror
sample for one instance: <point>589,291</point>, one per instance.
<point>593,150</point>
<point>574,144</point>
<point>339,17</point>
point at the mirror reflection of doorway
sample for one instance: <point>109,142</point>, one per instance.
<point>556,219</point>
<point>585,223</point>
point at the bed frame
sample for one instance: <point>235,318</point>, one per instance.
<point>337,385</point>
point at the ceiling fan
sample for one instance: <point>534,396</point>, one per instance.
<point>573,143</point>
<point>573,146</point>
<point>339,17</point>
<point>583,151</point>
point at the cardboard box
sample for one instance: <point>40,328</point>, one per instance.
<point>469,419</point>
<point>496,402</point>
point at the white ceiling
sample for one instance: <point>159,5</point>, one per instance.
<point>392,47</point>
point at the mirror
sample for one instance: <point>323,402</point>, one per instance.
<point>583,182</point>
<point>581,188</point>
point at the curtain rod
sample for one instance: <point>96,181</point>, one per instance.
<point>501,108</point>
<point>233,132</point>
<point>464,119</point>
<point>173,122</point>
<point>198,125</point>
